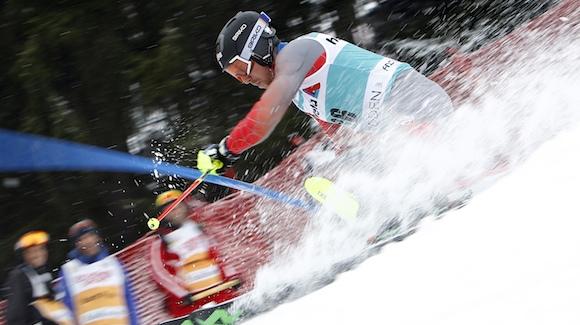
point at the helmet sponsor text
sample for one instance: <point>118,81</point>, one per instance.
<point>254,37</point>
<point>240,30</point>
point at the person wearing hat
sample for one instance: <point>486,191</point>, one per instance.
<point>29,285</point>
<point>184,261</point>
<point>335,82</point>
<point>94,284</point>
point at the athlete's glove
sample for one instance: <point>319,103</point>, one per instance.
<point>215,158</point>
<point>186,300</point>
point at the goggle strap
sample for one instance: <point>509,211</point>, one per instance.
<point>254,37</point>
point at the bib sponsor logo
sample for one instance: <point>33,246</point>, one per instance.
<point>374,105</point>
<point>102,314</point>
<point>106,295</point>
<point>191,244</point>
<point>314,106</point>
<point>388,65</point>
<point>312,90</point>
<point>240,30</point>
<point>92,278</point>
<point>340,116</point>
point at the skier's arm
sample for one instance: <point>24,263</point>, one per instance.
<point>160,274</point>
<point>292,66</point>
<point>263,117</point>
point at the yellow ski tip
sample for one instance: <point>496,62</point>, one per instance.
<point>337,200</point>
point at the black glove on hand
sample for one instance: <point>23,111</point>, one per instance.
<point>187,300</point>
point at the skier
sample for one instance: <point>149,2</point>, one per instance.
<point>29,285</point>
<point>184,261</point>
<point>94,285</point>
<point>335,82</point>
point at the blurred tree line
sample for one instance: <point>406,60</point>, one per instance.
<point>140,76</point>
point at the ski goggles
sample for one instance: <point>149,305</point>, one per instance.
<point>260,26</point>
<point>33,238</point>
<point>247,62</point>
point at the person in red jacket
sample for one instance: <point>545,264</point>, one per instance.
<point>185,262</point>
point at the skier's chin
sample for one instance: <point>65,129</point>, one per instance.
<point>260,85</point>
<point>265,84</point>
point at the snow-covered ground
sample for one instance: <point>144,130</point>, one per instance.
<point>512,256</point>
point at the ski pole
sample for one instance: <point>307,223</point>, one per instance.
<point>208,166</point>
<point>21,152</point>
<point>153,223</point>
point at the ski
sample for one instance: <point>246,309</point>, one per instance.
<point>220,314</point>
<point>341,202</point>
<point>216,289</point>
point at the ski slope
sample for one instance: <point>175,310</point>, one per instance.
<point>511,256</point>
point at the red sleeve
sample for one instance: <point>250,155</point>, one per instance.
<point>248,132</point>
<point>265,114</point>
<point>162,269</point>
<point>300,58</point>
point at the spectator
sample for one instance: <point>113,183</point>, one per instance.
<point>184,261</point>
<point>95,286</point>
<point>29,285</point>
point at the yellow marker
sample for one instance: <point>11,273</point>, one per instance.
<point>153,223</point>
<point>337,200</point>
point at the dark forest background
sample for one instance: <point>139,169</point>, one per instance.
<point>140,76</point>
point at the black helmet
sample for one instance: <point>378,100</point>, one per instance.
<point>246,36</point>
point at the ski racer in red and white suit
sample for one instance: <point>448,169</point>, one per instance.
<point>331,80</point>
<point>184,260</point>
